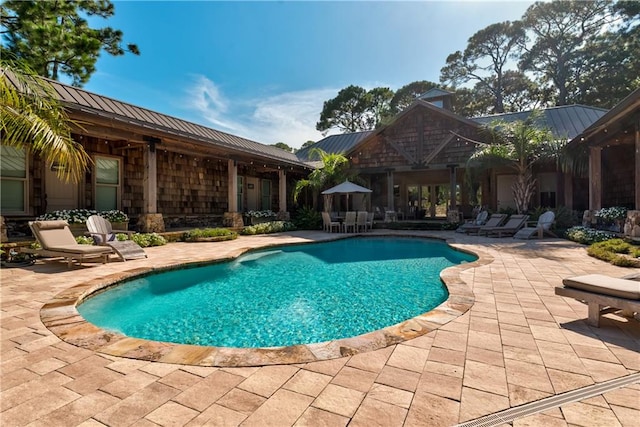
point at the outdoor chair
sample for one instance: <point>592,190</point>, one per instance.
<point>511,227</point>
<point>56,240</point>
<point>603,294</point>
<point>538,228</point>
<point>493,221</point>
<point>328,225</point>
<point>349,222</point>
<point>370,219</point>
<point>102,233</point>
<point>390,215</point>
<point>361,221</point>
<point>478,221</point>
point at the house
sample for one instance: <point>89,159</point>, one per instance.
<point>160,170</point>
<point>417,164</point>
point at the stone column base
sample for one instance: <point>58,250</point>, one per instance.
<point>632,224</point>
<point>151,223</point>
<point>3,230</point>
<point>233,219</point>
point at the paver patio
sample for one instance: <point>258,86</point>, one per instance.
<point>519,343</point>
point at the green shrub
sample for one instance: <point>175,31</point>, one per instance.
<point>268,227</point>
<point>148,239</point>
<point>307,218</point>
<point>84,240</point>
<point>198,233</point>
<point>588,236</point>
<point>613,251</point>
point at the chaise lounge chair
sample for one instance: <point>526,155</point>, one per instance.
<point>56,240</point>
<point>515,223</point>
<point>538,229</point>
<point>603,294</point>
<point>103,234</point>
<point>478,221</point>
<point>493,221</point>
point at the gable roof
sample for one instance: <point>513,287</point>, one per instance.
<point>87,102</point>
<point>566,121</point>
<point>434,93</point>
<point>334,144</point>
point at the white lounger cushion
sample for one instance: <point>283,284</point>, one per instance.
<point>605,285</point>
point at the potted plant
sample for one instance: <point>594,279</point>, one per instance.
<point>77,219</point>
<point>258,217</point>
<point>612,218</point>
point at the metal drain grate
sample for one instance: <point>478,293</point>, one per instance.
<point>542,405</point>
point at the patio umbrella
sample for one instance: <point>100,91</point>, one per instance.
<point>347,188</point>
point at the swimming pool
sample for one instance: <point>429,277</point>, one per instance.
<point>282,296</point>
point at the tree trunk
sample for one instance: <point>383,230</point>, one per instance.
<point>523,189</point>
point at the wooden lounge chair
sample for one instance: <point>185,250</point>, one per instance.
<point>328,225</point>
<point>103,234</point>
<point>511,227</point>
<point>538,229</point>
<point>478,221</point>
<point>493,221</point>
<point>56,240</point>
<point>603,294</point>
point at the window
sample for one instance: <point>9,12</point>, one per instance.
<point>266,194</point>
<point>13,182</point>
<point>107,173</point>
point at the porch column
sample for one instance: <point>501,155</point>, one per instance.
<point>452,190</point>
<point>232,176</point>
<point>390,190</point>
<point>150,221</point>
<point>282,190</point>
<point>568,190</point>
<point>637,169</point>
<point>595,178</point>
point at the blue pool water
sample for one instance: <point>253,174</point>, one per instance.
<point>283,296</point>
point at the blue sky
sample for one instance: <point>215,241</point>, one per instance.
<point>262,70</point>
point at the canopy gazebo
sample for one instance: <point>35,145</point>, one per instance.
<point>347,188</point>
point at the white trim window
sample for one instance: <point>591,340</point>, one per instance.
<point>13,180</point>
<point>107,183</point>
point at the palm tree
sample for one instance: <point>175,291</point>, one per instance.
<point>32,117</point>
<point>519,145</point>
<point>332,172</point>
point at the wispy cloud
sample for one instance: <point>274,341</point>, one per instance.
<point>288,117</point>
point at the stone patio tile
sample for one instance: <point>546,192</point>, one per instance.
<point>129,384</point>
<point>339,400</point>
<point>481,324</point>
<point>398,378</point>
<point>376,413</point>
<point>244,372</point>
<point>172,414</point>
<point>46,366</point>
<point>581,414</point>
<point>39,386</point>
<point>281,409</point>
<point>36,407</point>
<point>626,416</point>
<point>528,375</point>
<point>489,357</point>
<point>424,341</point>
<point>433,411</point>
<point>126,366</point>
<point>566,381</point>
<point>509,318</point>
<point>356,379</point>
<point>444,355</point>
<point>93,380</point>
<point>159,369</point>
<point>595,353</point>
<point>201,371</point>
<point>241,401</point>
<point>391,395</point>
<point>327,367</point>
<point>444,369</point>
<point>485,340</point>
<point>268,379</point>
<point>629,358</point>
<point>519,395</point>
<point>459,325</point>
<point>478,403</point>
<point>93,423</point>
<point>548,334</point>
<point>522,354</point>
<point>17,377</point>
<point>307,382</point>
<point>450,340</point>
<point>538,420</point>
<point>372,361</point>
<point>217,416</point>
<point>602,371</point>
<point>627,397</point>
<point>137,405</point>
<point>518,339</point>
<point>485,377</point>
<point>180,379</point>
<point>87,364</point>
<point>207,391</point>
<point>441,385</point>
<point>77,411</point>
<point>314,417</point>
<point>409,358</point>
<point>567,361</point>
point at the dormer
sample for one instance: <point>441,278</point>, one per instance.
<point>438,97</point>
